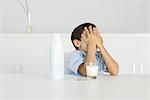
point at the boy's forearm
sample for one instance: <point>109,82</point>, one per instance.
<point>112,66</point>
<point>90,54</point>
<point>90,58</point>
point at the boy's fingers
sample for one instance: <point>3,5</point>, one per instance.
<point>83,36</point>
<point>86,31</point>
<point>95,31</point>
<point>90,29</point>
<point>84,39</point>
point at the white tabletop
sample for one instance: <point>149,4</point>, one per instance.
<point>36,87</point>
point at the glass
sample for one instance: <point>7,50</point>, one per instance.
<point>137,69</point>
<point>92,70</point>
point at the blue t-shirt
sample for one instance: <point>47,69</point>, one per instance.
<point>77,57</point>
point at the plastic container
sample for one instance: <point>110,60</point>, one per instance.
<point>56,65</point>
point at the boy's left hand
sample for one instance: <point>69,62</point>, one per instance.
<point>96,33</point>
<point>99,38</point>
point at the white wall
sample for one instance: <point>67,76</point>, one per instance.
<point>29,52</point>
<point>1,16</point>
<point>63,15</point>
<point>148,45</point>
<point>149,16</point>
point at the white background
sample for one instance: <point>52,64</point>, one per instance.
<point>149,15</point>
<point>112,16</point>
<point>29,53</point>
<point>52,16</point>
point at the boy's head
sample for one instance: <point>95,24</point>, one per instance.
<point>78,43</point>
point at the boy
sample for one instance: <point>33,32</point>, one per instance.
<point>87,39</point>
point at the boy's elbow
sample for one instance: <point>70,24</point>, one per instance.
<point>115,71</point>
<point>82,70</point>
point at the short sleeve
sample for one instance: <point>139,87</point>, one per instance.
<point>103,66</point>
<point>75,59</point>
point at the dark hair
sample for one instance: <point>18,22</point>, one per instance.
<point>76,34</point>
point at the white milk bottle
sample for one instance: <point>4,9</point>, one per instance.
<point>56,65</point>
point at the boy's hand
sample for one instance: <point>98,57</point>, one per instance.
<point>99,38</point>
<point>89,36</point>
<point>90,39</point>
<point>92,36</point>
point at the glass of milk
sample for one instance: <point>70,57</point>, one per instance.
<point>92,70</point>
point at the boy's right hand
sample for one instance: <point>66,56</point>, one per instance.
<point>90,38</point>
<point>91,41</point>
